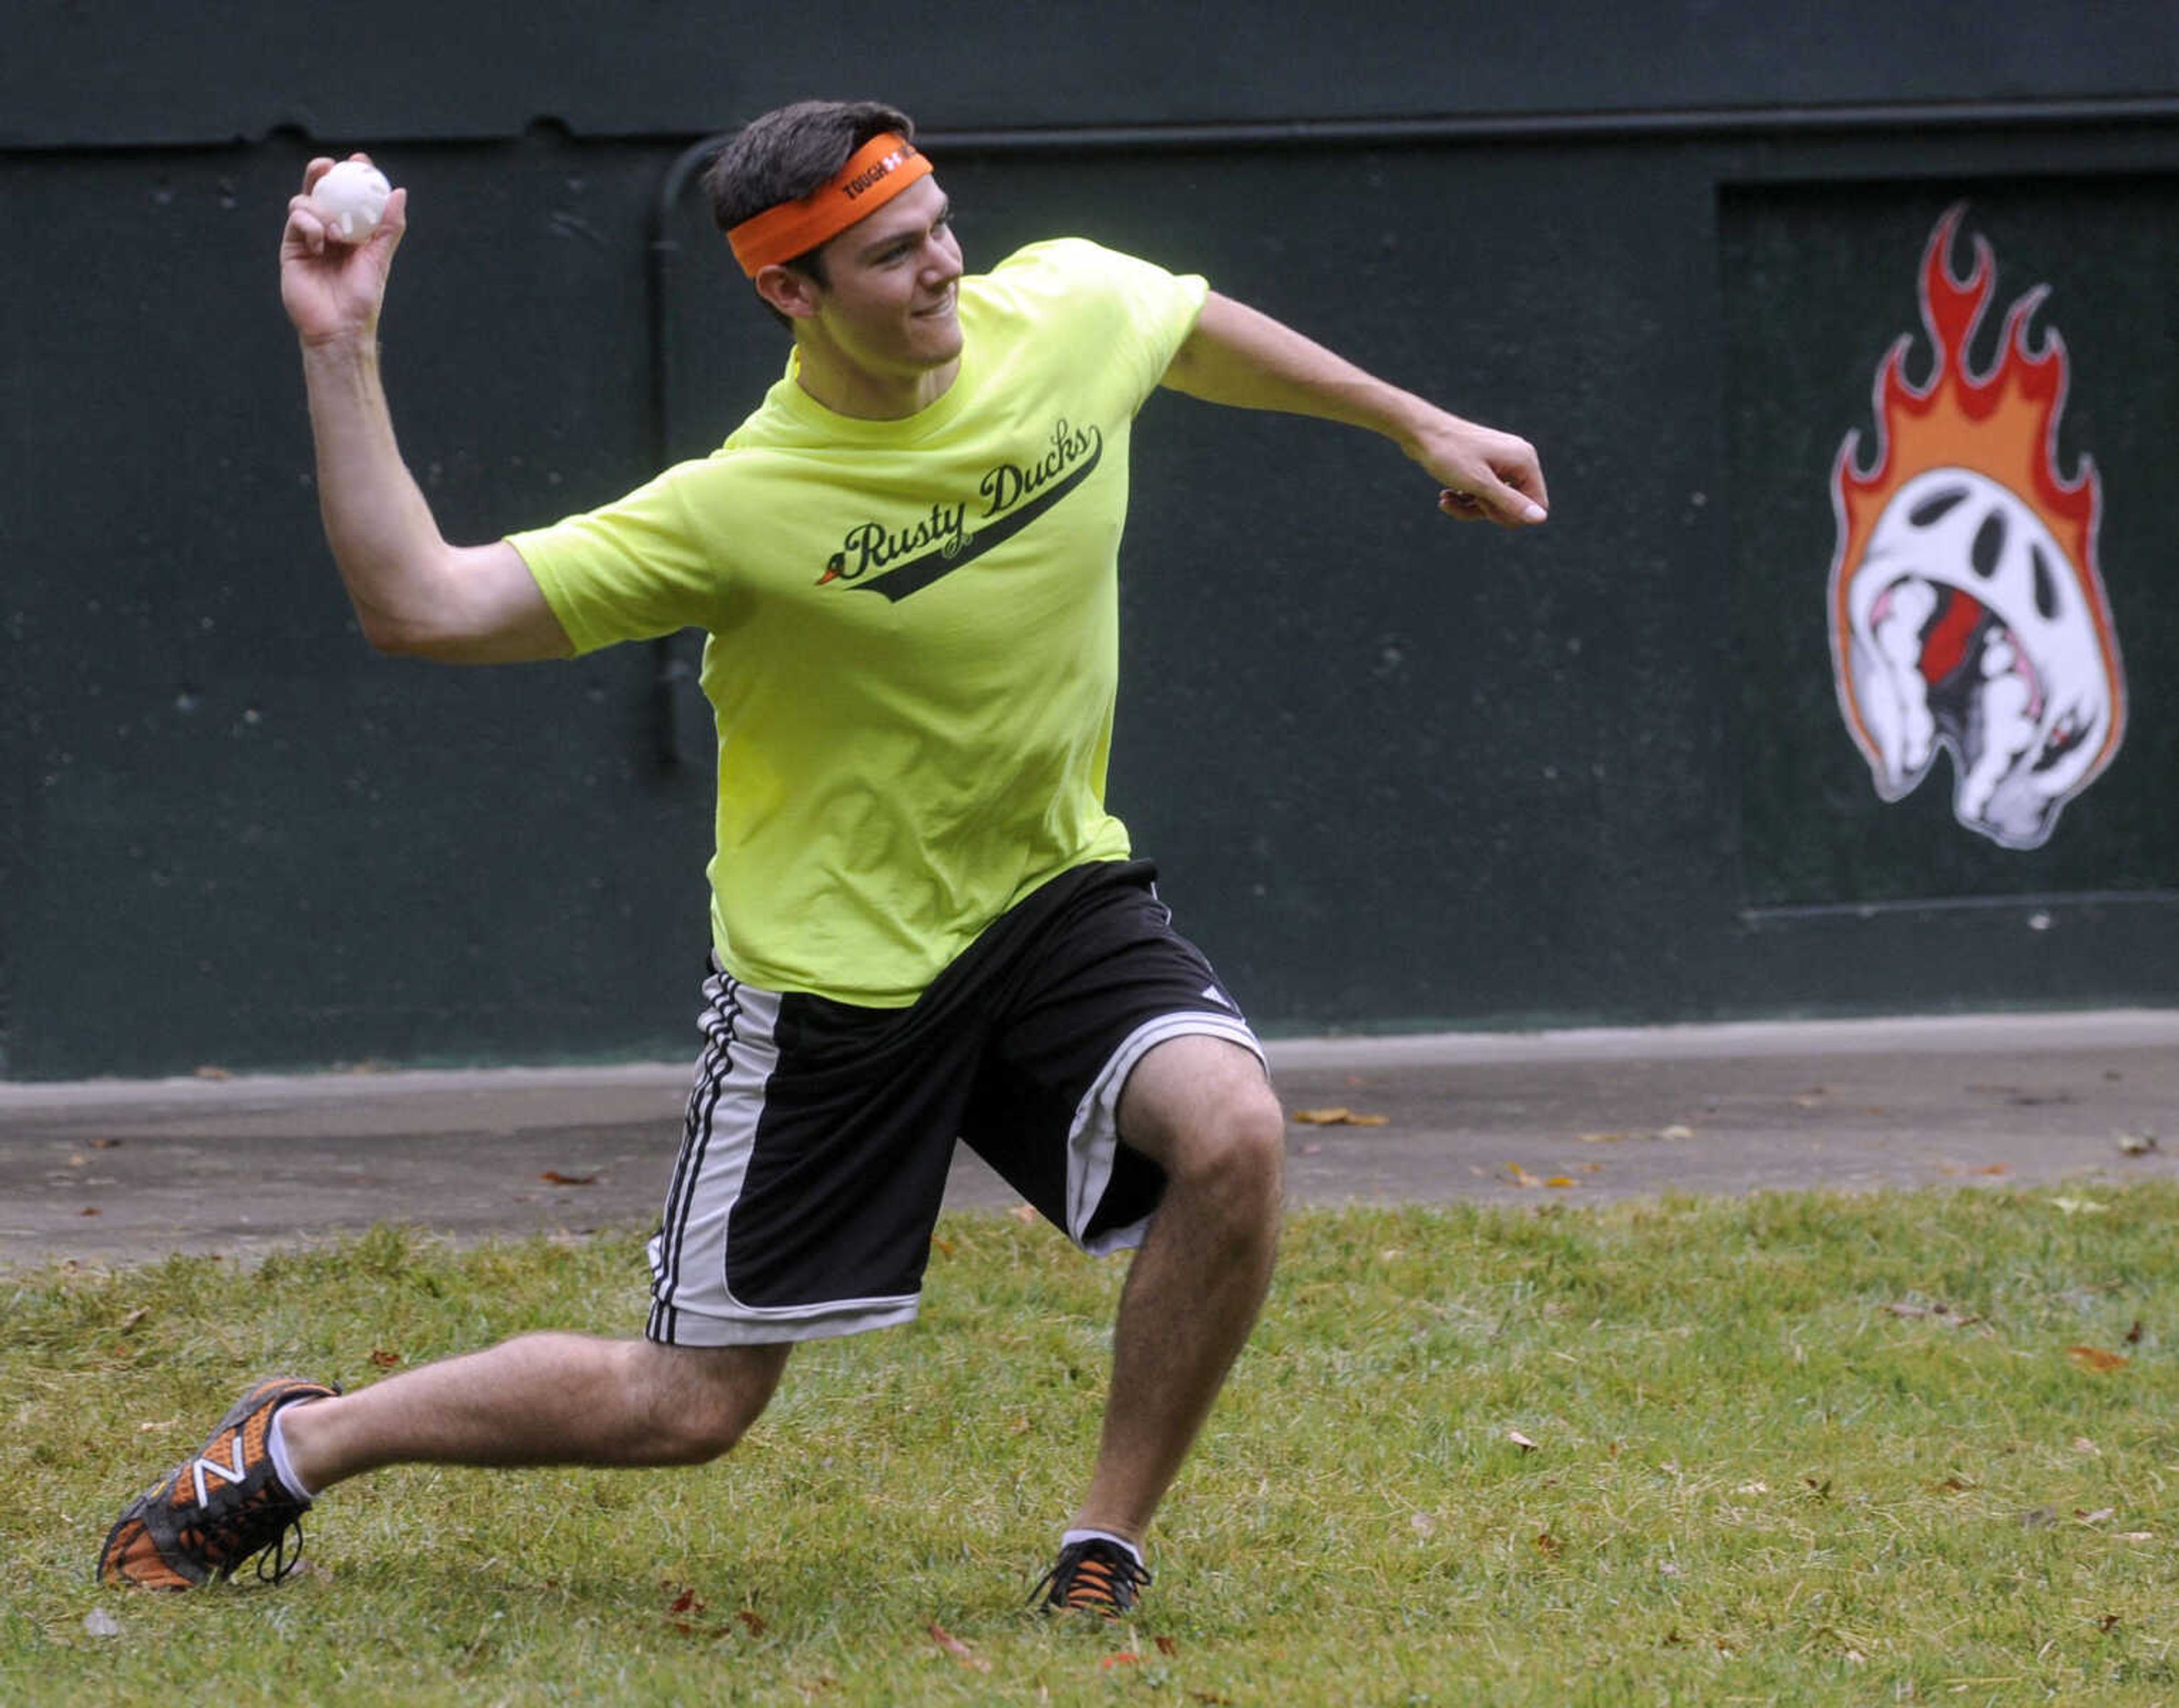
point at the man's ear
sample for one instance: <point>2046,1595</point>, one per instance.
<point>794,293</point>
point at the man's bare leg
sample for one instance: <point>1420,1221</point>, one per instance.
<point>1202,1107</point>
<point>540,1399</point>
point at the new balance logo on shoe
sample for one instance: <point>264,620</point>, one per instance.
<point>236,1473</point>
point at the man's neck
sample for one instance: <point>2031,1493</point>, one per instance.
<point>848,390</point>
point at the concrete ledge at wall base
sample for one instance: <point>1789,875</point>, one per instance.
<point>558,1096</point>
<point>2105,1029</point>
<point>125,1173</point>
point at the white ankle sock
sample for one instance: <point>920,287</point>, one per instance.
<point>1072,1537</point>
<point>276,1444</point>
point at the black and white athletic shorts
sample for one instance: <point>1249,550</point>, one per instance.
<point>819,1134</point>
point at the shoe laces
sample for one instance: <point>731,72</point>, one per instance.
<point>1093,1576</point>
<point>226,1539</point>
<point>283,1559</point>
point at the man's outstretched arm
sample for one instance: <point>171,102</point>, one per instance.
<point>1237,355</point>
<point>413,592</point>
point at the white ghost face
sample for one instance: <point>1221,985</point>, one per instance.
<point>1970,628</point>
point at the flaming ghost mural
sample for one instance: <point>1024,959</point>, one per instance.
<point>1967,612</point>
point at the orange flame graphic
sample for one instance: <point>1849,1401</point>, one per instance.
<point>2002,424</point>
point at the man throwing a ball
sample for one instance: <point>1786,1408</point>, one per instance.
<point>925,925</point>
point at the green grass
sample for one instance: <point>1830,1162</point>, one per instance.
<point>1791,1449</point>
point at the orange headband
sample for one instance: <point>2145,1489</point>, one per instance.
<point>874,175</point>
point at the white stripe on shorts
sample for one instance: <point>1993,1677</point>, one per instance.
<point>691,1302</point>
<point>1095,1135</point>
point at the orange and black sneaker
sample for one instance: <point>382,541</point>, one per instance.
<point>225,1505</point>
<point>1093,1576</point>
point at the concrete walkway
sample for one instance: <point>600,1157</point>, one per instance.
<point>126,1172</point>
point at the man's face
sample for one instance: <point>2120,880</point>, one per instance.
<point>887,305</point>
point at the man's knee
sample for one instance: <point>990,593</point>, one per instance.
<point>1203,1109</point>
<point>1239,1144</point>
<point>702,1400</point>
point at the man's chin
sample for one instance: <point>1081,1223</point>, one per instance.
<point>939,338</point>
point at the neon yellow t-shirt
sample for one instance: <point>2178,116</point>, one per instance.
<point>913,628</point>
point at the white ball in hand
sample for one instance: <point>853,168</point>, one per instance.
<point>353,195</point>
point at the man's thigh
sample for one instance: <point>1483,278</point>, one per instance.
<point>1106,986</point>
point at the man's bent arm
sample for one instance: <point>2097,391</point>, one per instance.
<point>412,591</point>
<point>1238,356</point>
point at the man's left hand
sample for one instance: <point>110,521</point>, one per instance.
<point>1486,475</point>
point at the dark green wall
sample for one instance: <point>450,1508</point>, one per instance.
<point>1398,772</point>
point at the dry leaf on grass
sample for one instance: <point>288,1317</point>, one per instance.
<point>2096,1358</point>
<point>680,1612</point>
<point>1520,1441</point>
<point>957,1649</point>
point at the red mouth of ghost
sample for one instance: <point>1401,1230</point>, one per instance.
<point>1951,635</point>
